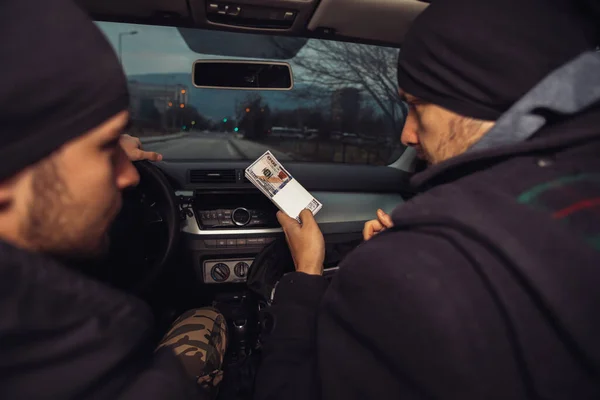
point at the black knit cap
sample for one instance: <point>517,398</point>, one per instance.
<point>59,78</point>
<point>478,57</point>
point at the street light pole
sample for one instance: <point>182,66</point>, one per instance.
<point>130,33</point>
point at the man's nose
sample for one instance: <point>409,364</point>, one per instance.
<point>127,175</point>
<point>409,135</point>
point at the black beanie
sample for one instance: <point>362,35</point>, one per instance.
<point>59,78</point>
<point>478,57</point>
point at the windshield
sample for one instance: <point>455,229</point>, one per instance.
<point>344,107</point>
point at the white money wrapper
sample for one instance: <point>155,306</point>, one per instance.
<point>293,198</point>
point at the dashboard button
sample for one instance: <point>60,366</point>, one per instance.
<point>234,11</point>
<point>252,242</point>
<point>221,243</point>
<point>210,243</point>
<point>260,241</point>
<point>227,222</point>
<point>231,242</point>
<point>241,242</point>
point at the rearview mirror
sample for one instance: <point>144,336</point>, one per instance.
<point>248,75</point>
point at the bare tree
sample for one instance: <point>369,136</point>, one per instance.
<point>335,65</point>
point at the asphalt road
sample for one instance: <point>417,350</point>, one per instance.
<point>199,146</point>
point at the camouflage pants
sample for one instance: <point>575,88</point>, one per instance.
<point>199,339</point>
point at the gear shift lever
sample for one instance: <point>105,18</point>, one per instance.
<point>239,335</point>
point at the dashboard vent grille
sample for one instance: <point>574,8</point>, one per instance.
<point>212,176</point>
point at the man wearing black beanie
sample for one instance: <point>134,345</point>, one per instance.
<point>63,165</point>
<point>485,285</point>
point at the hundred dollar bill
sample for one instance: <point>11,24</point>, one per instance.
<point>271,178</point>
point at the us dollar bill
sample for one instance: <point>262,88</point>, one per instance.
<point>271,178</point>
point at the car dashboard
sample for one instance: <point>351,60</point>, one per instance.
<point>225,225</point>
<point>224,231</point>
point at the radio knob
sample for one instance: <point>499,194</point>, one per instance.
<point>241,216</point>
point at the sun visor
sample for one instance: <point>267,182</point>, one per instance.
<point>385,21</point>
<point>137,10</point>
<point>228,44</point>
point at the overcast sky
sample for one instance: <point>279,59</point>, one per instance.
<point>154,49</point>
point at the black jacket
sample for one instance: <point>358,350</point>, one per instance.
<point>487,288</point>
<point>64,336</point>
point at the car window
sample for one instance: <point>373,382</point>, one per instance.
<point>344,107</point>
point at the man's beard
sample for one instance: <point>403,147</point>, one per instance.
<point>422,156</point>
<point>461,134</point>
<point>58,225</point>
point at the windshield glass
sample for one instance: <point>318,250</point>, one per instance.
<point>344,107</point>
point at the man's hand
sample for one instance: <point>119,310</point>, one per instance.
<point>306,242</point>
<point>378,225</point>
<point>133,148</point>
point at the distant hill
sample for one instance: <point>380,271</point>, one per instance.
<point>217,103</point>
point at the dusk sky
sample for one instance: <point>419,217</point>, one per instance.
<point>154,49</point>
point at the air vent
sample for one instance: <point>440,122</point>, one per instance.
<point>212,176</point>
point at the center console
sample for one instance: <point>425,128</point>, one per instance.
<point>230,210</point>
<point>224,231</point>
<point>232,218</point>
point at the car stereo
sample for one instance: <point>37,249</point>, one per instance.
<point>232,210</point>
<point>231,218</point>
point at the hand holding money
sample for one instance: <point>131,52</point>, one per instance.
<point>375,226</point>
<point>305,241</point>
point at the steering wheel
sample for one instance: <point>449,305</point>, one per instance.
<point>145,234</point>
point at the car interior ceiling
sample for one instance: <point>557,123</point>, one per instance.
<point>194,229</point>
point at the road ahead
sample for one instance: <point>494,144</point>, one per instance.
<point>208,146</point>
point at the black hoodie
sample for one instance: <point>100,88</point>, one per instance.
<point>487,287</point>
<point>64,336</point>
